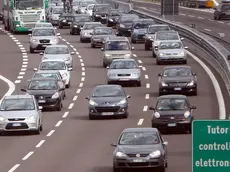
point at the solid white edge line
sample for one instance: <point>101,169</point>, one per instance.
<point>219,95</point>
<point>10,85</point>
<point>14,168</point>
<point>27,156</point>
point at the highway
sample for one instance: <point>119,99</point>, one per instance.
<point>70,142</point>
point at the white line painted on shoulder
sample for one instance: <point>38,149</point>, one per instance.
<point>65,114</point>
<point>140,122</point>
<point>146,77</point>
<point>27,156</point>
<point>147,96</point>
<point>40,144</point>
<point>71,105</point>
<point>147,85</point>
<point>75,98</point>
<point>145,108</point>
<point>58,123</point>
<point>14,168</point>
<point>50,133</point>
<point>78,91</point>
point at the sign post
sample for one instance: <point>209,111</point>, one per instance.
<point>211,146</point>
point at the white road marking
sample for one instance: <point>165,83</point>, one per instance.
<point>24,65</point>
<point>219,95</point>
<point>23,50</point>
<point>25,59</point>
<point>200,17</point>
<point>14,168</point>
<point>191,16</point>
<point>139,61</point>
<point>83,69</point>
<point>64,40</point>
<point>82,64</point>
<point>50,133</point>
<point>228,23</point>
<point>23,69</point>
<point>145,108</point>
<point>82,79</point>
<point>65,114</point>
<point>78,91</point>
<point>17,81</point>
<point>134,55</point>
<point>208,30</point>
<point>83,73</point>
<point>147,85</point>
<point>58,123</point>
<point>19,77</point>
<point>77,52</point>
<point>75,49</point>
<point>25,56</point>
<point>21,73</point>
<point>40,144</point>
<point>75,98</point>
<point>20,45</point>
<point>182,14</point>
<point>71,46</point>
<point>143,68</point>
<point>80,60</point>
<point>140,122</point>
<point>24,62</point>
<point>67,43</point>
<point>220,22</point>
<point>146,77</point>
<point>210,20</point>
<point>71,105</point>
<point>81,84</point>
<point>147,96</point>
<point>27,156</point>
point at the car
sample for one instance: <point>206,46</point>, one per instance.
<point>83,5</point>
<point>177,79</point>
<point>108,100</point>
<point>47,91</point>
<point>58,65</point>
<point>89,9</point>
<point>140,148</point>
<point>173,113</point>
<point>124,71</point>
<point>42,37</point>
<point>139,29</point>
<point>87,30</point>
<point>222,11</point>
<point>65,20</point>
<point>124,24</point>
<point>116,47</point>
<point>100,12</point>
<point>99,34</point>
<point>55,14</point>
<point>152,29</point>
<point>43,25</point>
<point>78,22</point>
<point>76,4</point>
<point>113,17</point>
<point>170,52</point>
<point>20,113</point>
<point>59,52</point>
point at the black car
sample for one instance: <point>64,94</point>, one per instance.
<point>100,12</point>
<point>172,112</point>
<point>113,17</point>
<point>108,100</point>
<point>47,91</point>
<point>222,11</point>
<point>99,34</point>
<point>178,79</point>
<point>1,14</point>
<point>78,22</point>
<point>152,29</point>
<point>124,24</point>
<point>65,19</point>
<point>140,148</point>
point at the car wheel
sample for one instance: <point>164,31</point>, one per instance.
<point>146,47</point>
<point>133,41</point>
<point>68,85</point>
<point>160,93</point>
<point>139,84</point>
<point>116,169</point>
<point>185,62</point>
<point>92,45</point>
<point>158,62</point>
<point>214,17</point>
<point>31,50</point>
<point>71,33</point>
<point>38,131</point>
<point>153,54</point>
<point>41,127</point>
<point>60,26</point>
<point>104,65</point>
<point>59,106</point>
<point>125,115</point>
<point>81,40</point>
<point>91,117</point>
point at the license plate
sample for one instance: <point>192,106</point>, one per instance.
<point>16,125</point>
<point>123,79</point>
<point>172,125</point>
<point>177,89</point>
<point>139,160</point>
<point>44,45</point>
<point>41,101</point>
<point>69,22</point>
<point>107,113</point>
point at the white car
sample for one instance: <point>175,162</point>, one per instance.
<point>59,65</point>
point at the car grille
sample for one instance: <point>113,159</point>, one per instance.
<point>123,74</point>
<point>134,155</point>
<point>107,109</point>
<point>16,119</point>
<point>180,84</point>
<point>11,127</point>
<point>171,118</point>
<point>30,18</point>
<point>41,97</point>
<point>118,55</point>
<point>44,41</point>
<point>29,25</point>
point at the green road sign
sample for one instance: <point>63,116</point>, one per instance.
<point>211,146</point>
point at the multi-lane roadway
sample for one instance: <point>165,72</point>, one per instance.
<point>70,142</point>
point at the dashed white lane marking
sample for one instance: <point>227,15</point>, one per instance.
<point>146,77</point>
<point>21,73</point>
<point>20,77</point>
<point>17,81</point>
<point>27,156</point>
<point>75,98</point>
<point>147,85</point>
<point>65,114</point>
<point>191,16</point>
<point>80,60</point>
<point>40,144</point>
<point>134,55</point>
<point>207,30</point>
<point>139,61</point>
<point>50,133</point>
<point>71,106</point>
<point>143,68</point>
<point>220,22</point>
<point>78,91</point>
<point>210,20</point>
<point>58,123</point>
<point>147,96</point>
<point>145,108</point>
<point>81,84</point>
<point>83,73</point>
<point>82,79</point>
<point>200,17</point>
<point>228,23</point>
<point>82,64</point>
<point>83,69</point>
<point>140,122</point>
<point>14,168</point>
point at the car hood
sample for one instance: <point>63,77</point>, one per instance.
<point>17,114</point>
<point>138,149</point>
<point>171,51</point>
<point>140,31</point>
<point>99,36</point>
<point>56,56</point>
<point>171,112</point>
<point>105,101</point>
<point>123,71</point>
<point>41,92</point>
<point>87,31</point>
<point>43,37</point>
<point>119,52</point>
<point>177,79</point>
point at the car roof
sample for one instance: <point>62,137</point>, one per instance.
<point>116,38</point>
<point>162,41</point>
<point>42,28</point>
<point>53,60</point>
<point>101,5</point>
<point>103,27</point>
<point>173,67</point>
<point>41,79</point>
<point>111,85</point>
<point>167,31</point>
<point>140,129</point>
<point>58,45</point>
<point>17,96</point>
<point>47,71</point>
<point>123,60</point>
<point>153,25</point>
<point>173,96</point>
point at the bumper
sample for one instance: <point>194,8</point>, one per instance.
<point>139,38</point>
<point>124,80</point>
<point>97,43</point>
<point>19,126</point>
<point>225,16</point>
<point>108,111</point>
<point>108,61</point>
<point>49,103</point>
<point>64,23</point>
<point>178,59</point>
<point>86,38</point>
<point>111,23</point>
<point>172,126</point>
<point>178,89</point>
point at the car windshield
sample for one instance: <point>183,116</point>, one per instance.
<point>54,65</point>
<point>154,29</point>
<point>117,45</point>
<point>43,85</point>
<point>44,25</point>
<point>108,92</point>
<point>104,31</point>
<point>82,19</point>
<point>128,19</point>
<point>225,7</point>
<point>167,36</point>
<point>139,138</point>
<point>123,65</point>
<point>58,10</point>
<point>172,104</point>
<point>43,32</point>
<point>170,45</point>
<point>57,50</point>
<point>177,72</point>
<point>46,75</point>
<point>18,104</point>
<point>29,4</point>
<point>102,9</point>
<point>91,26</point>
<point>142,25</point>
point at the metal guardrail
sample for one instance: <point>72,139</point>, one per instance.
<point>218,58</point>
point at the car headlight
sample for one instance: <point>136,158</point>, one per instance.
<point>111,20</point>
<point>85,34</point>
<point>191,83</point>
<point>112,74</point>
<point>149,37</point>
<point>34,40</point>
<point>135,74</point>
<point>157,115</point>
<point>55,96</point>
<point>97,15</point>
<point>122,102</point>
<point>93,103</point>
<point>120,154</point>
<point>17,25</point>
<point>2,119</point>
<point>63,20</point>
<point>108,55</point>
<point>121,25</point>
<point>32,118</point>
<point>75,26</point>
<point>161,54</point>
<point>187,114</point>
<point>67,59</point>
<point>127,55</point>
<point>164,84</point>
<point>55,40</point>
<point>155,154</point>
<point>182,54</point>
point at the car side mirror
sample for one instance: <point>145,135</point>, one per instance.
<point>102,49</point>
<point>165,143</point>
<point>41,53</point>
<point>58,34</point>
<point>132,48</point>
<point>87,98</point>
<point>159,74</point>
<point>30,34</point>
<point>113,144</point>
<point>35,69</point>
<point>128,96</point>
<point>72,53</point>
<point>151,108</point>
<point>185,47</point>
<point>40,107</point>
<point>23,90</point>
<point>70,69</point>
<point>193,107</point>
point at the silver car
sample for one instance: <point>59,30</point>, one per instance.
<point>116,47</point>
<point>124,71</point>
<point>59,52</point>
<point>55,13</point>
<point>20,113</point>
<point>42,37</point>
<point>170,52</point>
<point>87,30</point>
